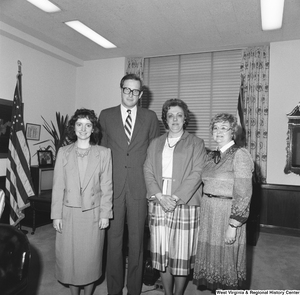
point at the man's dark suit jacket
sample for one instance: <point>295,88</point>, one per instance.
<point>127,159</point>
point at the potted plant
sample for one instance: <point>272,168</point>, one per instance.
<point>59,134</point>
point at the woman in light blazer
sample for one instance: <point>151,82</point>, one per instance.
<point>81,203</point>
<point>173,171</point>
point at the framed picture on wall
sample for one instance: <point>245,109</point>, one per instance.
<point>5,123</point>
<point>33,131</point>
<point>45,159</point>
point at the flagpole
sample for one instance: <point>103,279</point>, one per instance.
<point>19,67</point>
<point>18,184</point>
<point>19,80</point>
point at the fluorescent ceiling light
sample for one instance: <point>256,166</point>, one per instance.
<point>89,33</point>
<point>45,5</point>
<point>271,14</point>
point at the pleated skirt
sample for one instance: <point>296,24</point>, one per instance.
<point>219,265</point>
<point>79,249</point>
<point>173,238</point>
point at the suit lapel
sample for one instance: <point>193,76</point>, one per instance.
<point>139,122</point>
<point>118,118</point>
<point>119,127</point>
<point>158,158</point>
<point>93,162</point>
<point>71,161</point>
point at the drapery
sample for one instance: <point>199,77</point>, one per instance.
<point>134,65</point>
<point>255,79</point>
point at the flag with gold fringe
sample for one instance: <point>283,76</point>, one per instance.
<point>18,178</point>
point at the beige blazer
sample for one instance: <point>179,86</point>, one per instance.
<point>96,190</point>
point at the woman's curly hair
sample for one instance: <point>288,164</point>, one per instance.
<point>88,114</point>
<point>173,103</point>
<point>224,117</point>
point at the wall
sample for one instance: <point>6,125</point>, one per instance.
<point>48,85</point>
<point>284,96</point>
<point>98,83</point>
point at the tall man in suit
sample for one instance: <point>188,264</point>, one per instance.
<point>127,130</point>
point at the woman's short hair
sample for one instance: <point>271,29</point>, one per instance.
<point>224,117</point>
<point>131,77</point>
<point>173,103</point>
<point>88,114</point>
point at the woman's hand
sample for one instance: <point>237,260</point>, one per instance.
<point>57,224</point>
<point>167,202</point>
<point>230,235</point>
<point>103,223</point>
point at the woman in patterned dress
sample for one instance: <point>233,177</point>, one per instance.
<point>81,203</point>
<point>227,177</point>
<point>173,171</point>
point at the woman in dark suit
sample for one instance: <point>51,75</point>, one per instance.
<point>172,172</point>
<point>81,203</point>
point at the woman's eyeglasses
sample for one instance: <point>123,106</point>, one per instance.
<point>222,129</point>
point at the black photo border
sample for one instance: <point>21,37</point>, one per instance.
<point>6,107</point>
<point>41,155</point>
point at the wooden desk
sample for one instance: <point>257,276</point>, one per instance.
<point>40,203</point>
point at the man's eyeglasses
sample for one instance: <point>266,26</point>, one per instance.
<point>134,92</point>
<point>222,129</point>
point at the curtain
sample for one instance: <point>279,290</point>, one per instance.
<point>255,80</point>
<point>134,65</point>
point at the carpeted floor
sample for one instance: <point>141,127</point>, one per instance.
<point>274,263</point>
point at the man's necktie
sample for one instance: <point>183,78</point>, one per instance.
<point>128,126</point>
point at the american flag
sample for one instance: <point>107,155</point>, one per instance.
<point>241,131</point>
<point>18,179</point>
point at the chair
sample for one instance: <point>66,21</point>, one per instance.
<point>14,260</point>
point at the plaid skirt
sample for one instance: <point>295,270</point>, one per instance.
<point>173,242</point>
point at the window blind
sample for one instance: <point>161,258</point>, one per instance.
<point>208,83</point>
